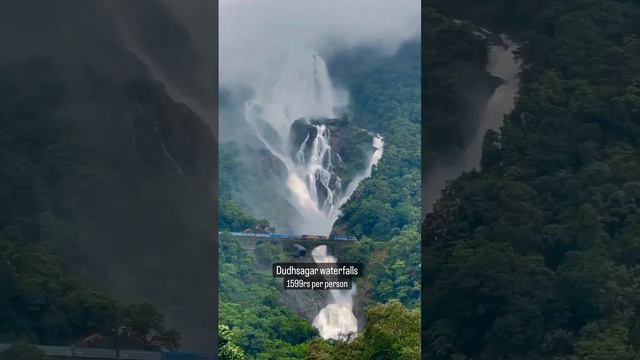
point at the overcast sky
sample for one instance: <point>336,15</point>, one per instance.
<point>256,32</point>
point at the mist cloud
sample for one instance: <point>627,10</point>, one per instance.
<point>256,33</point>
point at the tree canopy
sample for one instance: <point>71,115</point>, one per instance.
<point>534,256</point>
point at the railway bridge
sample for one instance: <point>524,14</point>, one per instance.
<point>249,240</point>
<point>277,237</point>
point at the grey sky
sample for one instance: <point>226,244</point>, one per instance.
<point>257,32</point>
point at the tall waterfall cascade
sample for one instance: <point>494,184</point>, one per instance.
<point>299,87</point>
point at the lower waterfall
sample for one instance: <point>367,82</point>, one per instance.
<point>336,320</point>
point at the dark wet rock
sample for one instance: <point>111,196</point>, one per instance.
<point>351,146</point>
<point>300,250</point>
<point>300,131</point>
<point>334,184</point>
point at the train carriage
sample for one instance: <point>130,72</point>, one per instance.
<point>140,355</point>
<point>307,237</point>
<point>313,237</point>
<point>280,236</point>
<point>59,351</point>
<point>94,353</point>
<point>71,352</point>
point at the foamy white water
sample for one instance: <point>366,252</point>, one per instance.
<point>299,86</point>
<point>336,320</point>
<point>378,146</point>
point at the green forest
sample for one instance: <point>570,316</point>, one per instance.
<point>250,304</point>
<point>386,100</point>
<point>536,255</point>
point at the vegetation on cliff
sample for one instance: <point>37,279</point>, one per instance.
<point>227,349</point>
<point>251,305</point>
<point>386,99</point>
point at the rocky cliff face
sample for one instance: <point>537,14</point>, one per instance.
<point>350,149</point>
<point>132,87</point>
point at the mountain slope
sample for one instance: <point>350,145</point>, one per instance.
<point>141,163</point>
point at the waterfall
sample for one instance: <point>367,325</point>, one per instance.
<point>504,64</point>
<point>378,146</point>
<point>336,320</point>
<point>298,86</point>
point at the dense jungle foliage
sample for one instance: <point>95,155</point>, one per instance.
<point>261,327</point>
<point>251,305</point>
<point>386,99</point>
<point>536,255</point>
<point>454,60</point>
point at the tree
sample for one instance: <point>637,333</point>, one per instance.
<point>227,350</point>
<point>142,326</point>
<point>534,256</point>
<point>391,332</point>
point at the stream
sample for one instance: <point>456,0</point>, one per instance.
<point>503,63</point>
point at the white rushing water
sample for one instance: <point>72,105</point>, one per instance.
<point>336,320</point>
<point>378,146</point>
<point>299,86</point>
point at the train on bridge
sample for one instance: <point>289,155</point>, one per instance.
<point>336,237</point>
